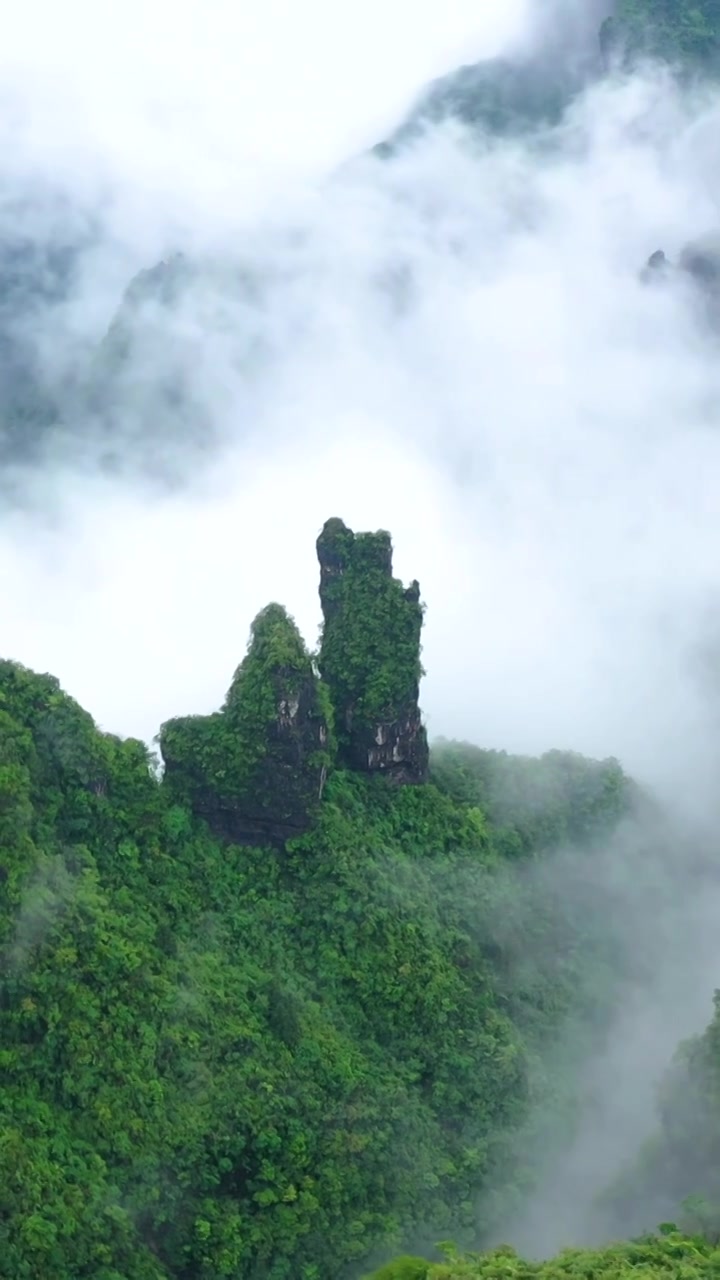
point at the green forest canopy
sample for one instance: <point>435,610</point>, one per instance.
<point>224,1061</point>
<point>227,1060</point>
<point>668,1254</point>
<point>276,1062</point>
<point>279,1062</point>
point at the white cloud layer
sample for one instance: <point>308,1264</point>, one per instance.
<point>537,430</point>
<point>215,103</point>
<point>455,347</point>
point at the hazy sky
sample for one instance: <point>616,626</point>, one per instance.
<point>215,97</point>
<point>537,431</point>
<point>454,346</point>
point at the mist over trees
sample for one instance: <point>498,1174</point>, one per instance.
<point>222,1059</point>
<point>301,996</point>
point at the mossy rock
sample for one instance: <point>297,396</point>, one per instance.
<point>256,769</point>
<point>370,654</point>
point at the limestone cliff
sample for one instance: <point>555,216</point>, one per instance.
<point>370,654</point>
<point>255,770</point>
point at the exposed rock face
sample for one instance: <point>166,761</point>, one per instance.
<point>255,770</point>
<point>370,655</point>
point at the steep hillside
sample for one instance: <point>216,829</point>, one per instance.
<point>266,1062</point>
<point>307,991</point>
<point>685,35</point>
<point>677,1173</point>
<point>669,1254</point>
<point>529,92</point>
<point>133,395</point>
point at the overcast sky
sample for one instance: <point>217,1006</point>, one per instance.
<point>222,86</point>
<point>454,346</point>
<point>537,431</point>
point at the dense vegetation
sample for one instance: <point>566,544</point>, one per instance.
<point>531,92</point>
<point>271,1018</point>
<point>257,768</point>
<point>221,1060</point>
<point>369,658</point>
<point>682,34</point>
<point>680,1165</point>
<point>284,1061</point>
<point>669,1254</point>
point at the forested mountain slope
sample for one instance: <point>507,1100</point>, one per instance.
<point>227,1060</point>
<point>669,1254</point>
<point>123,396</point>
<point>308,991</point>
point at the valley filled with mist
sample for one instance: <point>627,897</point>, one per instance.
<point>337,924</point>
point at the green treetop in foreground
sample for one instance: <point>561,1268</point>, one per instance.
<point>670,1255</point>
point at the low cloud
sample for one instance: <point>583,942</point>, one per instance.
<point>454,345</point>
